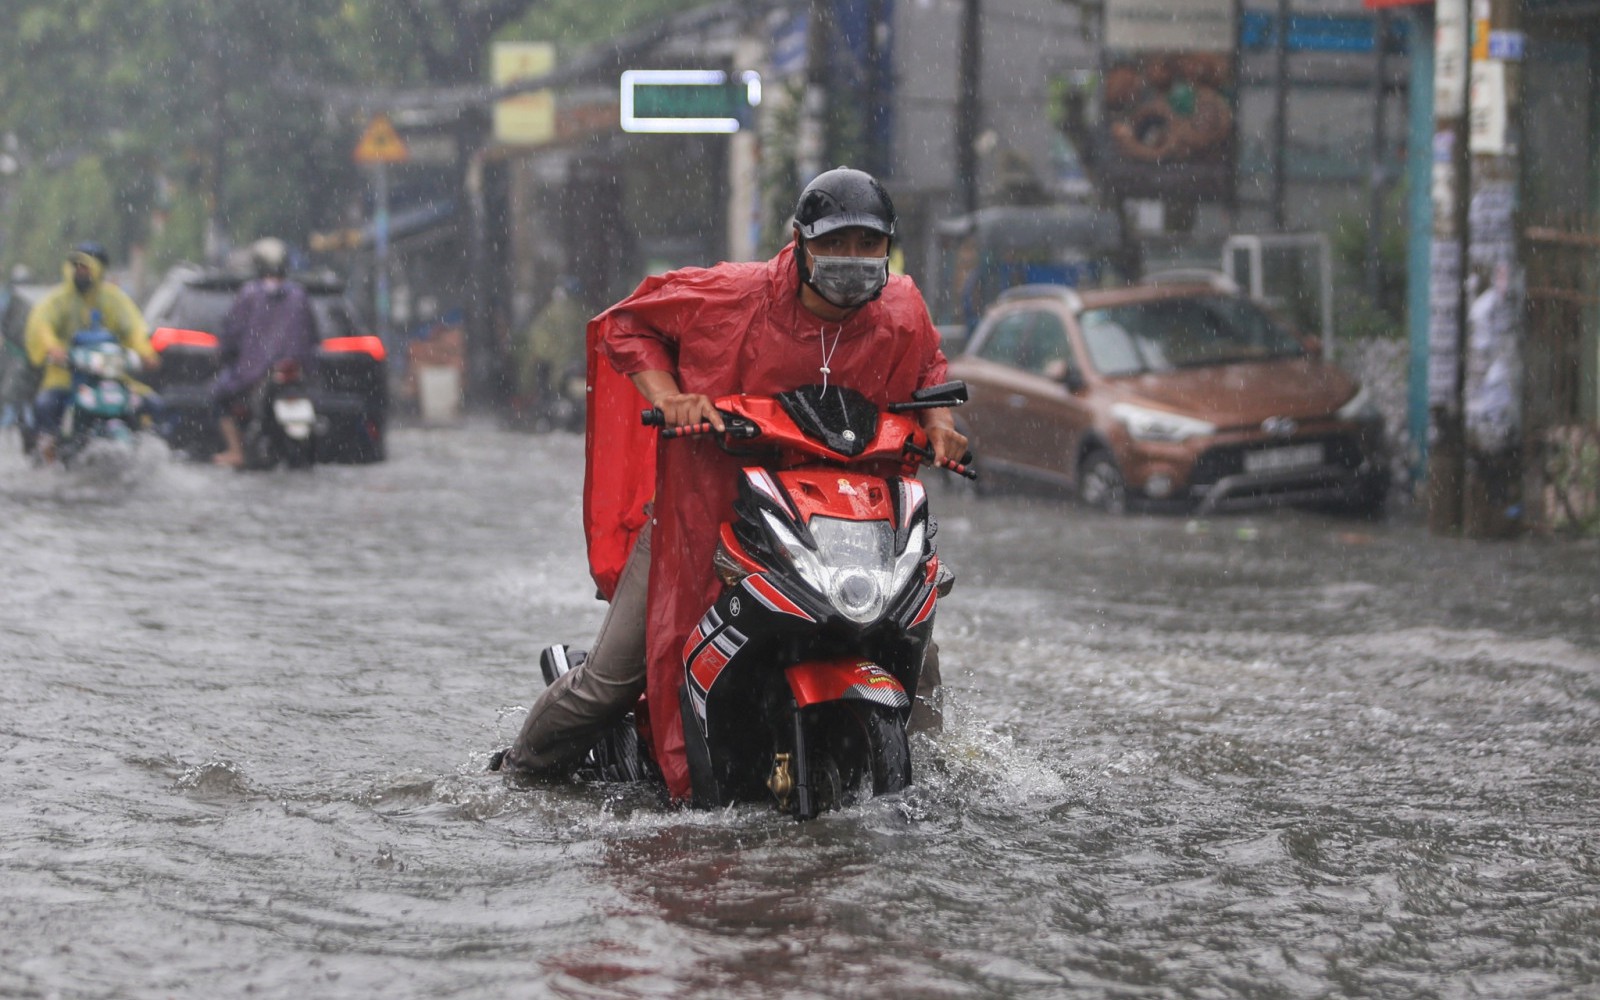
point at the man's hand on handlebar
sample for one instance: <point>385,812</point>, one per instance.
<point>678,408</point>
<point>684,408</point>
<point>948,443</point>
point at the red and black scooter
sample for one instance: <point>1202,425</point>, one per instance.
<point>798,682</point>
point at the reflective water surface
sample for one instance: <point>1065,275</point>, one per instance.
<point>245,720</point>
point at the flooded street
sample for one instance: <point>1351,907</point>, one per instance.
<point>246,719</point>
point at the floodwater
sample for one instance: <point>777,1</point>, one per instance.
<point>246,717</point>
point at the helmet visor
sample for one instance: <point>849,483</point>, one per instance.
<point>845,220</point>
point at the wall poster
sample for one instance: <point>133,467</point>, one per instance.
<point>1168,124</point>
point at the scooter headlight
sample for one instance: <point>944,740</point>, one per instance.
<point>854,565</point>
<point>100,361</point>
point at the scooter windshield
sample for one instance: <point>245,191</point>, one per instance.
<point>839,417</point>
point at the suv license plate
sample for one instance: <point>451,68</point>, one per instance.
<point>293,411</point>
<point>1277,459</point>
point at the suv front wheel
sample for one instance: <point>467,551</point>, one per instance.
<point>1100,483</point>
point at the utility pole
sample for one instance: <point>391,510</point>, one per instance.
<point>812,145</point>
<point>1446,279</point>
<point>1376,178</point>
<point>1280,121</point>
<point>969,104</point>
<point>1492,361</point>
<point>216,170</point>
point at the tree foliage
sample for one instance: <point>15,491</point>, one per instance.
<point>134,120</point>
<point>165,102</point>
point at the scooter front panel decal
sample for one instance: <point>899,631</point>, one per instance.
<point>912,496</point>
<point>817,681</point>
<point>764,591</point>
<point>730,641</point>
<point>707,664</point>
<point>704,655</point>
<point>761,480</point>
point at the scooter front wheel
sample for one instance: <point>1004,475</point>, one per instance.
<point>854,751</point>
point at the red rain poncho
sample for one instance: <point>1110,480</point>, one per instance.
<point>723,330</point>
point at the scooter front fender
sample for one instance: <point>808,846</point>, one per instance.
<point>842,678</point>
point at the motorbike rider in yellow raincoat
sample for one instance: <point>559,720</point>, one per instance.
<point>67,309</point>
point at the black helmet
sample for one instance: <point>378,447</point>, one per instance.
<point>844,197</point>
<point>96,250</point>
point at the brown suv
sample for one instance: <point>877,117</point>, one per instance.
<point>1189,394</point>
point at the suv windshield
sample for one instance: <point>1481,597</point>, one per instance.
<point>203,307</point>
<point>1182,333</point>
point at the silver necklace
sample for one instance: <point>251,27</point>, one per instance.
<point>827,352</point>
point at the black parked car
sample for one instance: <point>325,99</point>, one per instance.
<point>349,383</point>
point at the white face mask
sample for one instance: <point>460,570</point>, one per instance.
<point>848,282</point>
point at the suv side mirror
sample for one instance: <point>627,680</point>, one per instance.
<point>1061,370</point>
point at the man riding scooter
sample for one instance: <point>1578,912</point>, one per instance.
<point>270,321</point>
<point>824,310</point>
<point>73,306</point>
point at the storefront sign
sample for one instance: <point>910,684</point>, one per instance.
<point>1487,115</point>
<point>1169,25</point>
<point>525,119</point>
<point>1506,45</point>
<point>1450,58</point>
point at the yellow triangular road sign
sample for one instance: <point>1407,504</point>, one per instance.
<point>380,143</point>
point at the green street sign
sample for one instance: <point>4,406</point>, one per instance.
<point>687,100</point>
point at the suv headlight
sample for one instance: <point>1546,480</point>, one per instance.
<point>854,566</point>
<point>1145,424</point>
<point>1360,407</point>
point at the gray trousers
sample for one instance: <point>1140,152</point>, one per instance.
<point>583,703</point>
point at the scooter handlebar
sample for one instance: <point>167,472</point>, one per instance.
<point>653,417</point>
<point>961,468</point>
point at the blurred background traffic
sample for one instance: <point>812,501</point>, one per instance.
<point>479,176</point>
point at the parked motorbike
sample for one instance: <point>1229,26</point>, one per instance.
<point>798,682</point>
<point>280,421</point>
<point>559,404</point>
<point>101,407</point>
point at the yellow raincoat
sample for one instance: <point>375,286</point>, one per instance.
<point>65,311</point>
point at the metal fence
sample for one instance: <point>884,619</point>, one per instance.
<point>1563,274</point>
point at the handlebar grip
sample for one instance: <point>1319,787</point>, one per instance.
<point>655,418</point>
<point>688,430</point>
<point>959,468</point>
